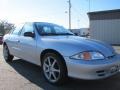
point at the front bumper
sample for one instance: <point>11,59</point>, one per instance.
<point>94,69</point>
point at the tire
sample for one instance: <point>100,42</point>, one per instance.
<point>7,56</point>
<point>54,69</point>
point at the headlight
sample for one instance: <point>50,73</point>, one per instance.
<point>88,55</point>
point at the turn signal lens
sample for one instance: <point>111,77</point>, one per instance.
<point>86,56</point>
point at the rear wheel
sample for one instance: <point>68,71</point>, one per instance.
<point>54,69</point>
<point>6,54</point>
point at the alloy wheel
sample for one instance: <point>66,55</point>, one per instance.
<point>51,69</point>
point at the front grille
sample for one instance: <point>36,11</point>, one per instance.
<point>109,71</point>
<point>100,73</point>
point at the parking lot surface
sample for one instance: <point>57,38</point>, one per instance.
<point>21,75</point>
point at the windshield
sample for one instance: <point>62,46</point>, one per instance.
<point>52,29</point>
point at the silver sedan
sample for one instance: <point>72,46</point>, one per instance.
<point>60,53</point>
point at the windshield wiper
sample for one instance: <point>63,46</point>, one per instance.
<point>54,34</point>
<point>66,34</point>
<point>48,34</point>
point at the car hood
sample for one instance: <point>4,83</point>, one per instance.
<point>70,45</point>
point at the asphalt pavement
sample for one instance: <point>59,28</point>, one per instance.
<point>21,75</point>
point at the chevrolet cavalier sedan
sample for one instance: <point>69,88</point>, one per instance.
<point>60,53</point>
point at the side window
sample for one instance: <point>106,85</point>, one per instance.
<point>17,30</point>
<point>28,27</point>
<point>11,31</point>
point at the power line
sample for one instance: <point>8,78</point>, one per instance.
<point>79,14</point>
<point>89,5</point>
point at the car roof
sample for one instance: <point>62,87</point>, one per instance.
<point>44,23</point>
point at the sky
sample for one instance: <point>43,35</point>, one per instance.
<point>53,11</point>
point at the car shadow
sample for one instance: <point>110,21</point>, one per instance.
<point>33,73</point>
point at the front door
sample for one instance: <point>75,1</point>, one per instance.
<point>27,44</point>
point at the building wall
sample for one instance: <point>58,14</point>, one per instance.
<point>106,30</point>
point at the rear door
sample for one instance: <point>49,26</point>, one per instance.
<point>13,40</point>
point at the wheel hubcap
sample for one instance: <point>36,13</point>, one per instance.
<point>51,69</point>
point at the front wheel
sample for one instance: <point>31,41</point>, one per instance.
<point>6,54</point>
<point>54,69</point>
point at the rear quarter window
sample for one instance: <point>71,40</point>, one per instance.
<point>17,29</point>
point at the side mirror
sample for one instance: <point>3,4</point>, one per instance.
<point>29,34</point>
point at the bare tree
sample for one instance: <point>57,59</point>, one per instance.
<point>5,27</point>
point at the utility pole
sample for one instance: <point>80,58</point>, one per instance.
<point>69,14</point>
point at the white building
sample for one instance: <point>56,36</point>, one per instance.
<point>105,26</point>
